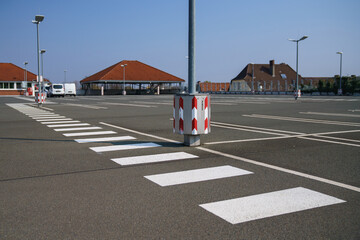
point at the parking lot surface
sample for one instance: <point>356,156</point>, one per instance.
<point>110,167</point>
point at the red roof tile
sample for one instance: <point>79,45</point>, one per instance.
<point>11,73</point>
<point>135,72</point>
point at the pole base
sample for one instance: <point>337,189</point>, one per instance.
<point>192,140</point>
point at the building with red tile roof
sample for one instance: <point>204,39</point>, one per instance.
<point>11,77</point>
<point>136,73</point>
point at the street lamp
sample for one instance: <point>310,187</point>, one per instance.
<point>340,90</point>
<point>38,19</point>
<point>24,85</point>
<point>297,93</point>
<point>42,51</point>
<point>252,79</point>
<point>65,76</point>
<point>123,66</point>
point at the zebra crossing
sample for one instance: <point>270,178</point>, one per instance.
<point>234,211</point>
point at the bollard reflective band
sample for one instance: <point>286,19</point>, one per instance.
<point>181,115</point>
<point>206,113</point>
<point>194,129</point>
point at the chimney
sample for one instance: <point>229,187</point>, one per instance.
<point>272,68</point>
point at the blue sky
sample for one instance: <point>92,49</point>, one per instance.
<point>86,36</point>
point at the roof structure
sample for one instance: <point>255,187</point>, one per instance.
<point>267,72</point>
<point>11,73</point>
<point>135,72</point>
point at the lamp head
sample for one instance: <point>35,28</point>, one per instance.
<point>25,63</point>
<point>42,51</point>
<point>303,38</point>
<point>339,52</point>
<point>39,18</point>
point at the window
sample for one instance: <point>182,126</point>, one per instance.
<point>29,85</point>
<point>11,85</point>
<point>57,86</point>
<point>6,85</point>
<point>18,85</point>
<point>1,85</point>
<point>283,76</point>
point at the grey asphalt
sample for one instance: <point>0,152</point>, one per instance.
<point>55,188</point>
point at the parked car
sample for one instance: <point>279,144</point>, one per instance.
<point>70,89</point>
<point>57,90</point>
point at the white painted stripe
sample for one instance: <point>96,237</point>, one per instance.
<point>54,119</point>
<point>247,130</point>
<point>107,139</point>
<point>337,138</point>
<point>85,106</point>
<point>41,114</point>
<point>271,204</point>
<point>304,120</point>
<point>153,158</point>
<point>319,179</point>
<point>76,129</point>
<point>69,125</point>
<point>331,114</point>
<point>130,105</point>
<point>124,147</point>
<point>141,133</point>
<point>56,122</point>
<point>197,175</point>
<point>328,141</point>
<point>88,133</point>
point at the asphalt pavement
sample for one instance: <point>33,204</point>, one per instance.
<point>110,167</point>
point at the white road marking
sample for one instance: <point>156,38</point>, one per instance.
<point>42,115</point>
<point>319,179</point>
<point>197,175</point>
<point>69,125</point>
<point>107,139</point>
<point>271,204</point>
<point>130,105</point>
<point>336,138</point>
<point>124,147</point>
<point>56,122</point>
<point>141,133</point>
<point>85,106</point>
<point>50,117</point>
<point>304,120</point>
<point>153,158</point>
<point>331,114</point>
<point>328,141</point>
<point>88,133</point>
<point>289,171</point>
<point>76,129</point>
<point>54,119</point>
<point>247,130</point>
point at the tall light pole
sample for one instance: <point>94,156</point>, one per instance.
<point>38,19</point>
<point>297,64</point>
<point>24,86</point>
<point>340,89</point>
<point>191,70</point>
<point>252,79</point>
<point>42,51</point>
<point>65,76</point>
<point>123,66</point>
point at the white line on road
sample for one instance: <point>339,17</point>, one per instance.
<point>49,117</point>
<point>76,129</point>
<point>331,114</point>
<point>271,204</point>
<point>130,105</point>
<point>56,122</point>
<point>85,106</point>
<point>197,175</point>
<point>53,119</point>
<point>107,139</point>
<point>141,133</point>
<point>303,120</point>
<point>124,147</point>
<point>153,158</point>
<point>319,179</point>
<point>88,133</point>
<point>69,125</point>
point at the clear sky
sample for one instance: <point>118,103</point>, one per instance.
<point>86,36</point>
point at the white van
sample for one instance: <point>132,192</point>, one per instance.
<point>57,90</point>
<point>70,89</point>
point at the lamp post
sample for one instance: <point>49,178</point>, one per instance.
<point>123,66</point>
<point>252,79</point>
<point>24,86</point>
<point>65,76</point>
<point>297,94</point>
<point>340,89</point>
<point>42,51</point>
<point>38,19</point>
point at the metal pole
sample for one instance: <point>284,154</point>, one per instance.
<point>192,80</point>
<point>297,63</point>
<point>124,79</point>
<point>252,82</point>
<point>38,59</point>
<point>42,65</point>
<point>64,76</point>
<point>340,70</point>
